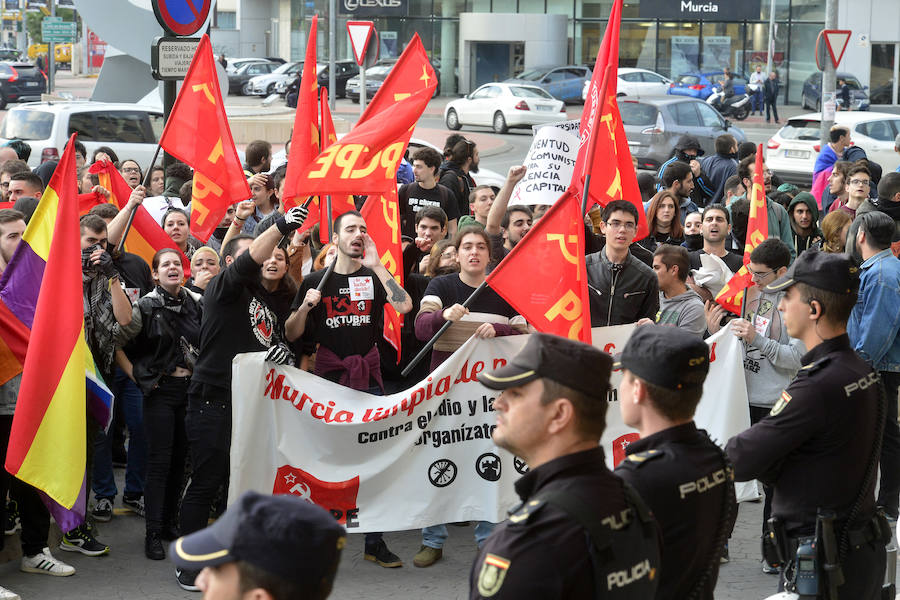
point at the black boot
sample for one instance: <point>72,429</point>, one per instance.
<point>153,546</point>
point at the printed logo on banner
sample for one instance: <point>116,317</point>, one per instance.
<point>337,497</point>
<point>619,444</point>
<point>442,472</point>
<point>488,466</point>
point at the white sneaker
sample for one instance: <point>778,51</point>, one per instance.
<point>44,562</point>
<point>6,594</point>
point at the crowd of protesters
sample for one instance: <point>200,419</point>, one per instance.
<point>261,282</point>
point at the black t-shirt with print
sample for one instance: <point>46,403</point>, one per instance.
<point>451,290</point>
<point>412,198</point>
<point>239,316</point>
<point>349,318</point>
<point>732,260</point>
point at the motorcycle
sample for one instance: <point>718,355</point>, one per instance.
<point>738,106</point>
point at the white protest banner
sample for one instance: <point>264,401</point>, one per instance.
<point>549,167</point>
<point>425,455</point>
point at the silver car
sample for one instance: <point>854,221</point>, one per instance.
<point>654,124</point>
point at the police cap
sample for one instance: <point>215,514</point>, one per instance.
<point>567,362</point>
<point>667,357</point>
<point>283,535</point>
<point>822,270</point>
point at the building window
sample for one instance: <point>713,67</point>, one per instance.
<point>226,19</point>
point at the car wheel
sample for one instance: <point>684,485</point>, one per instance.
<point>453,120</point>
<point>270,90</point>
<point>500,123</point>
<point>245,89</point>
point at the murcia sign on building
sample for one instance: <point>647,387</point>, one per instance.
<point>374,8</point>
<point>728,10</point>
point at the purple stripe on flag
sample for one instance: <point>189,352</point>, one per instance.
<point>99,403</point>
<point>68,519</point>
<point>21,283</point>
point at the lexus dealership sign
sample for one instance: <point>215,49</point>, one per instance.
<point>712,10</point>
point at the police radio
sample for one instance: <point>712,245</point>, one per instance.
<point>806,572</point>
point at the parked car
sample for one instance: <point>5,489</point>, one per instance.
<point>635,83</point>
<point>239,80</point>
<point>20,82</point>
<point>267,83</point>
<point>131,130</point>
<point>345,69</point>
<point>505,105</point>
<point>792,151</point>
<point>563,82</point>
<point>699,85</point>
<point>654,125</point>
<point>233,64</point>
<point>375,76</point>
<point>811,96</point>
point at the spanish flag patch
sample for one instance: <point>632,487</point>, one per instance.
<point>782,402</point>
<point>493,571</point>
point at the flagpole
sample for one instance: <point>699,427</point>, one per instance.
<point>418,358</point>
<point>592,149</point>
<point>134,211</point>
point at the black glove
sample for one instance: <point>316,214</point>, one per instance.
<point>280,354</point>
<point>292,220</point>
<point>106,266</point>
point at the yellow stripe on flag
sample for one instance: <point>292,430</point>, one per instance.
<point>39,232</point>
<point>55,463</point>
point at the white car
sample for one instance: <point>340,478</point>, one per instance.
<point>505,105</point>
<point>266,84</point>
<point>130,130</point>
<point>636,83</point>
<point>792,151</point>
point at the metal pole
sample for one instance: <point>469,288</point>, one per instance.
<point>134,212</point>
<point>51,54</point>
<point>362,89</point>
<point>332,25</point>
<point>169,93</point>
<point>771,38</point>
<point>828,77</point>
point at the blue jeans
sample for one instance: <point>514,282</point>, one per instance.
<point>103,481</point>
<point>435,535</point>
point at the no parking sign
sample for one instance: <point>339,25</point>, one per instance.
<point>182,17</point>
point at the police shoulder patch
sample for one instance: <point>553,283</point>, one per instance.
<point>524,511</point>
<point>639,459</point>
<point>783,401</point>
<point>493,572</point>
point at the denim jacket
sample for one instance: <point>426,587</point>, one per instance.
<point>875,321</point>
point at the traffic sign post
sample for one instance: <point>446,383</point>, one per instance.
<point>182,17</point>
<point>361,33</point>
<point>830,46</point>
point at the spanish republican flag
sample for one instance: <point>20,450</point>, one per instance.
<point>731,297</point>
<point>554,295</point>
<point>42,288</point>
<point>146,236</point>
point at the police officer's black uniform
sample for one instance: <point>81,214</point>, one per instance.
<point>816,444</point>
<point>679,472</point>
<point>580,531</point>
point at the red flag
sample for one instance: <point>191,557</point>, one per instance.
<point>553,296</point>
<point>365,161</point>
<point>731,297</point>
<point>305,143</point>
<point>197,133</point>
<point>382,216</point>
<point>603,134</point>
<point>146,235</point>
<point>88,201</point>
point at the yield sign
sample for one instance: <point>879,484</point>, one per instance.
<point>360,34</point>
<point>836,41</point>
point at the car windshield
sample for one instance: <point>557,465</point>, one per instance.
<point>533,75</point>
<point>635,113</point>
<point>853,83</point>
<point>688,79</point>
<point>801,129</point>
<point>285,68</point>
<point>27,125</point>
<point>529,92</point>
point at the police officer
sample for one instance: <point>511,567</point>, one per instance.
<point>819,446</point>
<point>580,531</point>
<point>678,471</point>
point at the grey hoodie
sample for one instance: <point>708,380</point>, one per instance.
<point>684,310</point>
<point>773,358</point>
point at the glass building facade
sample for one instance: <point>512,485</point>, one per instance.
<point>667,47</point>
